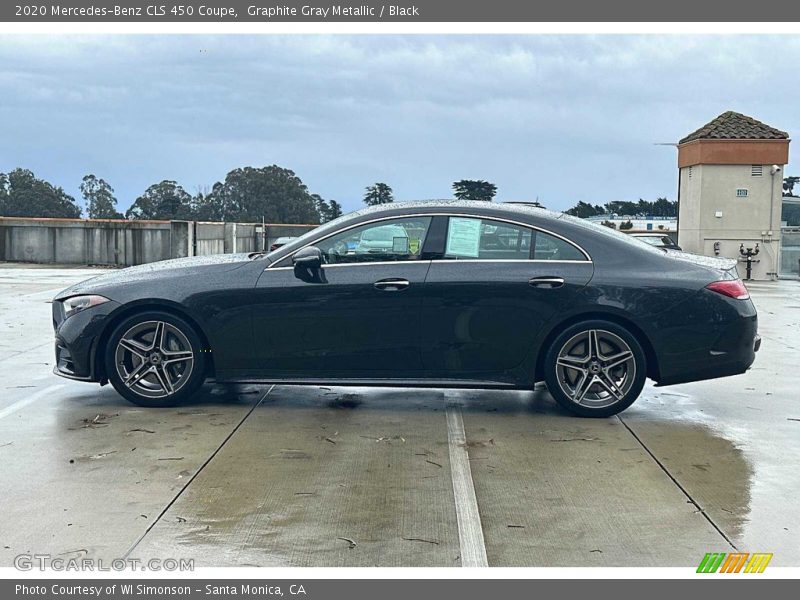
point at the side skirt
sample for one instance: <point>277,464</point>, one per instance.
<point>416,383</point>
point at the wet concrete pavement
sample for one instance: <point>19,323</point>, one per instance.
<point>325,476</point>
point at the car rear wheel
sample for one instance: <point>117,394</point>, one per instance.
<point>595,369</point>
<point>155,359</point>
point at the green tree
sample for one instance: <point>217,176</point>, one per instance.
<point>584,209</point>
<point>788,185</point>
<point>380,193</point>
<point>99,197</point>
<point>660,208</point>
<point>162,201</point>
<point>23,195</point>
<point>664,208</point>
<point>626,225</point>
<point>323,208</point>
<point>204,207</point>
<point>474,189</point>
<point>335,210</point>
<point>621,207</point>
<point>328,211</point>
<point>274,194</point>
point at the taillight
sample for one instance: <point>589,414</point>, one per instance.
<point>733,288</point>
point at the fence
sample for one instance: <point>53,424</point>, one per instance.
<point>125,243</point>
<point>790,252</point>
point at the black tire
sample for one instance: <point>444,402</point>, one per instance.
<point>157,376</point>
<point>608,388</point>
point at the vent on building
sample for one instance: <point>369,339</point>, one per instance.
<point>741,193</point>
<point>690,172</point>
<point>756,171</point>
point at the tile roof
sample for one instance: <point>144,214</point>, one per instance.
<point>735,126</point>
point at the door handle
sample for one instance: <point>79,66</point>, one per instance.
<point>391,285</point>
<point>546,282</point>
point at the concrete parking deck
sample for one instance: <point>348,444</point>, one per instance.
<point>326,476</point>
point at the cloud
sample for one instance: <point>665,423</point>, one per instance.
<point>562,118</point>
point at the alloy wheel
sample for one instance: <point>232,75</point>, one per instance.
<point>596,368</point>
<point>154,359</point>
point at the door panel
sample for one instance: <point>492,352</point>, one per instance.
<point>362,318</point>
<point>482,316</point>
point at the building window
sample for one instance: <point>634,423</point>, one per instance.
<point>756,171</point>
<point>741,193</point>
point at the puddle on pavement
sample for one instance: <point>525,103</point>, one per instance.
<point>713,471</point>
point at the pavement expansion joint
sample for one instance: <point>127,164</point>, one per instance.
<point>198,471</point>
<point>677,483</point>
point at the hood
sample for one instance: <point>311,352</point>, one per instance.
<point>719,263</point>
<point>165,269</point>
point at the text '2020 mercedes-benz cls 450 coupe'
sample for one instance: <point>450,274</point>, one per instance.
<point>433,294</point>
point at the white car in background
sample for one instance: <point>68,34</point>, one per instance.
<point>281,241</point>
<point>383,240</point>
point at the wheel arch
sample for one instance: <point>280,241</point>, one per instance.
<point>651,357</point>
<point>141,306</point>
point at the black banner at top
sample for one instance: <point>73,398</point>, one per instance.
<point>254,11</point>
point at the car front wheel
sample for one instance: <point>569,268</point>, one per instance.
<point>595,369</point>
<point>155,359</point>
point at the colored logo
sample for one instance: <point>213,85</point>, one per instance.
<point>737,562</point>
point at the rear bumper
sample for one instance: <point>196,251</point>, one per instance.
<point>732,353</point>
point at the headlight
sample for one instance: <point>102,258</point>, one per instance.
<point>79,303</point>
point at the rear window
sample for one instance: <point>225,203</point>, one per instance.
<point>549,247</point>
<point>609,233</point>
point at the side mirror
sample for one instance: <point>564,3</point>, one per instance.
<point>308,265</point>
<point>309,257</point>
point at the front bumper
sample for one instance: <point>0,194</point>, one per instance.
<point>77,340</point>
<point>65,365</point>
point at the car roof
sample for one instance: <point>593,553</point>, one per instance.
<point>453,205</point>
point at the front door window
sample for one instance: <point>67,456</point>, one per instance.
<point>390,240</point>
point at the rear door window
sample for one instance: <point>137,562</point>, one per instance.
<point>483,239</point>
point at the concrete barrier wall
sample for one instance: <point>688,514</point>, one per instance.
<point>219,238</point>
<point>125,243</point>
<point>209,238</point>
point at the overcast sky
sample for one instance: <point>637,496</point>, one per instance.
<point>561,118</point>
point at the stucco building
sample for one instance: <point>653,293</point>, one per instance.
<point>730,188</point>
